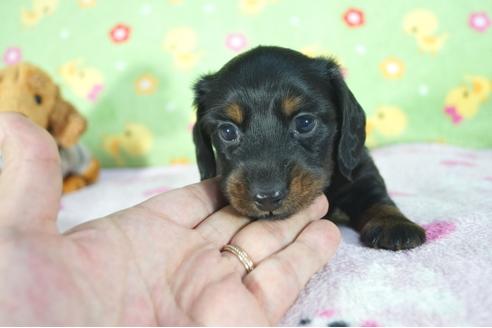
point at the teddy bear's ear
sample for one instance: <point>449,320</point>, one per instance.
<point>66,124</point>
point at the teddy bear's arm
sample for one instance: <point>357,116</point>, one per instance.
<point>66,124</point>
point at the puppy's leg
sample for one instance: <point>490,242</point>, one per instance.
<point>371,211</point>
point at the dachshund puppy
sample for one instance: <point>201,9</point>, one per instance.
<point>281,128</point>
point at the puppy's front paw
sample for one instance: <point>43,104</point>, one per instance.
<point>394,233</point>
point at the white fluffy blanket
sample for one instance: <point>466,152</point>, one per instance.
<point>447,281</point>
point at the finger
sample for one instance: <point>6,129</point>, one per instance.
<point>262,238</point>
<point>219,227</point>
<point>277,281</point>
<point>30,181</point>
<point>189,205</point>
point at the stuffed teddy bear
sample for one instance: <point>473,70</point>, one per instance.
<point>26,89</point>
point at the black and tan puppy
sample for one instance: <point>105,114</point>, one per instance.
<point>281,128</point>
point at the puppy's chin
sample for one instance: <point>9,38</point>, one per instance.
<point>252,212</point>
<point>274,215</point>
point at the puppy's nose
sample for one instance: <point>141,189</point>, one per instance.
<point>269,200</point>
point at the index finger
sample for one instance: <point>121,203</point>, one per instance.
<point>189,205</point>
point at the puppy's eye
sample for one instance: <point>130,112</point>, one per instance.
<point>305,123</point>
<point>228,132</point>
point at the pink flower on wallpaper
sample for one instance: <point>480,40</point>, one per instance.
<point>479,21</point>
<point>12,56</point>
<point>120,33</point>
<point>354,17</point>
<point>236,41</point>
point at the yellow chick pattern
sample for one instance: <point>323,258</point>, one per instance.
<point>420,69</point>
<point>463,102</point>
<point>386,121</point>
<point>86,82</point>
<point>38,10</point>
<point>135,140</point>
<point>182,44</point>
<point>422,24</point>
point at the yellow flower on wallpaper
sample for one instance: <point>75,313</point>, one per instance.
<point>87,3</point>
<point>422,24</point>
<point>146,85</point>
<point>38,10</point>
<point>86,82</point>
<point>252,7</point>
<point>392,68</point>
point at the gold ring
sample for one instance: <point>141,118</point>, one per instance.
<point>241,255</point>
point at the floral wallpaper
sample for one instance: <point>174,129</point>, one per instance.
<point>421,70</point>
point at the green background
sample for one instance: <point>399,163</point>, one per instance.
<point>81,30</point>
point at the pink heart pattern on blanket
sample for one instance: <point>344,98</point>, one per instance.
<point>438,229</point>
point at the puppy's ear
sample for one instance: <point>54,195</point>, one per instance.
<point>351,121</point>
<point>203,145</point>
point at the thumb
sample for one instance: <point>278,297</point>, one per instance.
<point>30,180</point>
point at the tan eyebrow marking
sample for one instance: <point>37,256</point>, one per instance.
<point>290,105</point>
<point>235,113</point>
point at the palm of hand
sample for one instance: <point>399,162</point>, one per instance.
<point>156,263</point>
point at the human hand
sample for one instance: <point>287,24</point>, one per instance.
<point>157,263</point>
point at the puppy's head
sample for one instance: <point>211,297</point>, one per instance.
<point>276,126</point>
